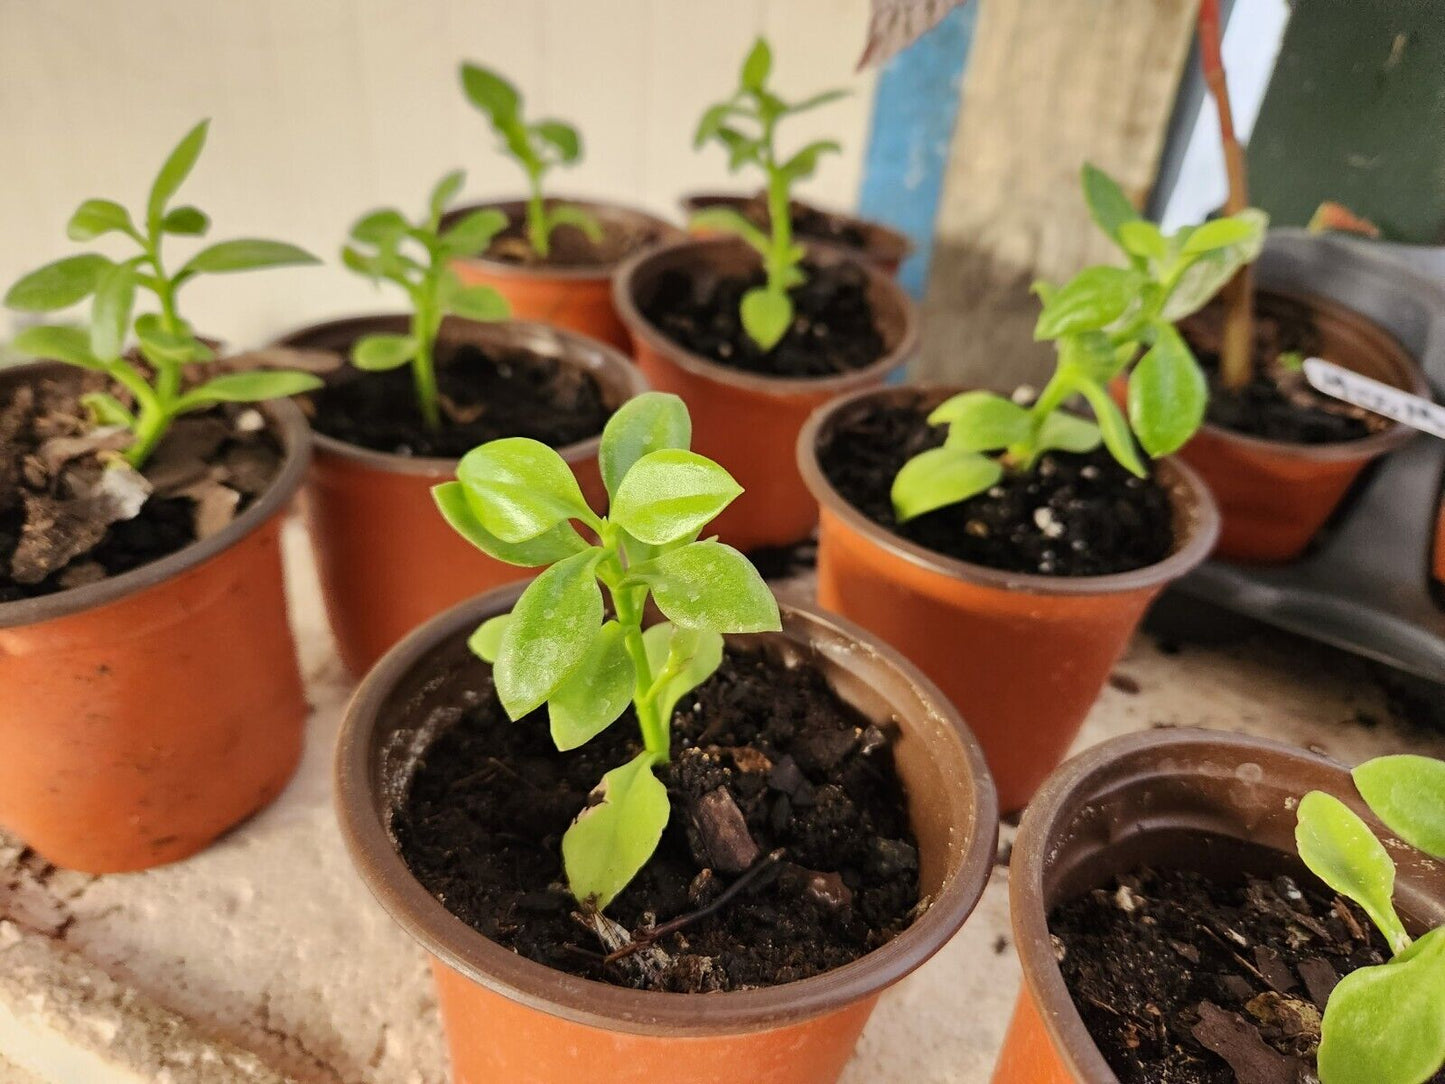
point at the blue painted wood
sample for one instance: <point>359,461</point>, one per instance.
<point>915,107</point>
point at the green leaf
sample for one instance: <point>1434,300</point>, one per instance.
<point>766,315</point>
<point>489,92</point>
<point>518,488</point>
<point>562,136</point>
<point>1383,1024</point>
<point>1091,300</point>
<point>486,642</point>
<point>1108,206</point>
<point>380,227</point>
<point>1407,793</point>
<point>474,232</point>
<point>980,421</point>
<point>566,214</point>
<point>712,122</point>
<point>443,193</point>
<point>1114,428</point>
<point>825,98</point>
<point>106,409</point>
<point>1167,394</point>
<point>1143,239</point>
<point>157,343</point>
<point>110,312</point>
<point>1340,850</point>
<point>95,217</point>
<point>553,624</point>
<point>174,171</point>
<point>552,545</point>
<point>595,693</point>
<point>692,655</point>
<point>255,386</point>
<point>647,423</point>
<point>757,66</point>
<point>939,477</point>
<point>802,164</point>
<point>58,285</point>
<point>246,254</point>
<point>1220,233</point>
<point>1068,433</point>
<point>671,494</point>
<point>479,303</point>
<point>1206,275</point>
<point>727,220</point>
<point>611,840</point>
<point>707,585</point>
<point>186,221</point>
<point>68,344</point>
<point>378,353</point>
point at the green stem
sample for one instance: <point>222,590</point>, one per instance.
<point>153,416</point>
<point>780,215</point>
<point>538,235</point>
<point>424,327</point>
<point>656,736</point>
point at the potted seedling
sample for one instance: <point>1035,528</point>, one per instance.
<point>1034,535</point>
<point>1247,925</point>
<point>407,395</point>
<point>554,259</point>
<point>152,694</point>
<point>689,845</point>
<point>755,330</point>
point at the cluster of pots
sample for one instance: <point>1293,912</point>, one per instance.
<point>164,705</point>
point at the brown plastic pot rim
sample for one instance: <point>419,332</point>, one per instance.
<point>287,422</point>
<point>1203,532</point>
<point>1040,825</point>
<point>616,1008</point>
<point>509,333</point>
<point>642,328</point>
<point>599,273</point>
<point>899,245</point>
<point>1366,448</point>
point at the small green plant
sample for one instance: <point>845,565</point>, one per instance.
<point>767,310</point>
<point>537,147</point>
<point>417,257</point>
<point>165,340</point>
<point>1382,1024</point>
<point>516,499</point>
<point>1103,322</point>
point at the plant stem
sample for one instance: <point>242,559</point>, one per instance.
<point>1236,360</point>
<point>153,417</point>
<point>656,736</point>
<point>424,327</point>
<point>537,233</point>
<point>780,216</point>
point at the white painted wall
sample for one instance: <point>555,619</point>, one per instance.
<point>325,108</point>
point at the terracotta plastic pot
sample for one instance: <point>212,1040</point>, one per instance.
<point>1214,803</point>
<point>1275,496</point>
<point>882,245</point>
<point>145,714</point>
<point>575,298</point>
<point>746,421</point>
<point>1022,656</point>
<point>387,559</point>
<point>510,1019</point>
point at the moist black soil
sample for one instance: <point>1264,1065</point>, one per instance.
<point>765,758</point>
<point>569,247</point>
<point>1278,403</point>
<point>208,469</point>
<point>833,329</point>
<point>484,395</point>
<point>808,222</point>
<point>1074,515</point>
<point>1185,980</point>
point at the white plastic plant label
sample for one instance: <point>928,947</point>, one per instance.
<point>1372,395</point>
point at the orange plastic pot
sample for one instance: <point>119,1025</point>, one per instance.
<point>1214,803</point>
<point>1274,496</point>
<point>881,245</point>
<point>510,1019</point>
<point>145,714</point>
<point>386,558</point>
<point>1023,657</point>
<point>746,421</point>
<point>574,298</point>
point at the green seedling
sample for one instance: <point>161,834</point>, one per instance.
<point>537,147</point>
<point>1104,322</point>
<point>417,256</point>
<point>165,340</point>
<point>516,500</point>
<point>767,310</point>
<point>1382,1024</point>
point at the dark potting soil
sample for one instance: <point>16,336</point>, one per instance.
<point>1074,515</point>
<point>484,395</point>
<point>767,761</point>
<point>833,329</point>
<point>62,494</point>
<point>1185,980</point>
<point>1278,403</point>
<point>569,247</point>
